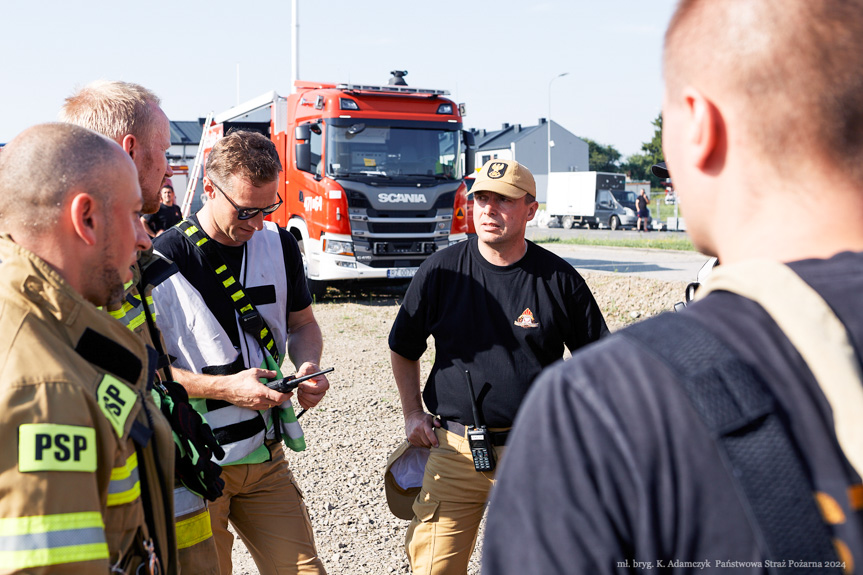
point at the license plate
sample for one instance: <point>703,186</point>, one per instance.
<point>401,272</point>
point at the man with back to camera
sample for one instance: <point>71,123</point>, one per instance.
<point>237,269</point>
<point>131,115</point>
<point>737,447</point>
<point>501,308</point>
<point>168,213</point>
<point>83,458</point>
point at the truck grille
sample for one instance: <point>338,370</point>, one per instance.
<point>421,227</point>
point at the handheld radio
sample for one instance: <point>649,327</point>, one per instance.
<point>478,438</point>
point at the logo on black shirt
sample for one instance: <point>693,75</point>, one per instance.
<point>526,320</point>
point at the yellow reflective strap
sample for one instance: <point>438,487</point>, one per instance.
<point>42,540</point>
<point>45,523</point>
<point>264,333</point>
<point>201,242</point>
<point>246,308</point>
<point>127,285</point>
<point>125,485</point>
<point>29,558</point>
<point>228,282</point>
<point>191,230</point>
<point>221,269</point>
<point>117,313</point>
<point>193,530</point>
<point>137,320</point>
<point>237,295</point>
<point>270,345</point>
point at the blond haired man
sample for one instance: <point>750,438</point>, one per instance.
<point>711,439</point>
<point>84,456</point>
<point>131,115</point>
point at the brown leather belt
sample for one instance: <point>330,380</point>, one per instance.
<point>498,438</point>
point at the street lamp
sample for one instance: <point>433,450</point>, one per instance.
<point>550,143</point>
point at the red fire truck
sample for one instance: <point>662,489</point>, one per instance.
<point>372,182</point>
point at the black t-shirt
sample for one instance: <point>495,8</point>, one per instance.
<point>503,324</point>
<point>199,273</point>
<point>609,461</point>
<point>166,217</point>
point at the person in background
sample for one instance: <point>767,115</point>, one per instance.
<point>643,212</point>
<point>168,215</point>
<point>725,438</point>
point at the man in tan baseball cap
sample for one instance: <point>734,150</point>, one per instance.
<point>500,309</point>
<point>498,216</point>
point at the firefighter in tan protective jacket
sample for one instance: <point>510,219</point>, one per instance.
<point>86,459</point>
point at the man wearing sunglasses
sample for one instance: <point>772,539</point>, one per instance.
<point>244,304</point>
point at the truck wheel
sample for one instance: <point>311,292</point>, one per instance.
<point>317,289</point>
<point>614,223</point>
<point>567,222</point>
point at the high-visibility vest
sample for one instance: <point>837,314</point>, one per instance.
<point>181,312</point>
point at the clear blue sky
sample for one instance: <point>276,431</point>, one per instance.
<point>496,57</point>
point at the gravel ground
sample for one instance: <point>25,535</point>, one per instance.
<point>357,425</point>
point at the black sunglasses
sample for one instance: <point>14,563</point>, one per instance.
<point>249,213</point>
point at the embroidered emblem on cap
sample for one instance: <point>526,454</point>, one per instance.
<point>497,170</point>
<point>526,320</point>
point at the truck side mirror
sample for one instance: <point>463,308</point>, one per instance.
<point>303,149</point>
<point>304,156</point>
<point>470,152</point>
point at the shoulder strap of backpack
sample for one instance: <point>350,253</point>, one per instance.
<point>818,335</point>
<point>740,413</point>
<point>251,320</point>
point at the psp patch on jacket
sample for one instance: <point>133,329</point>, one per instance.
<point>55,447</point>
<point>116,400</point>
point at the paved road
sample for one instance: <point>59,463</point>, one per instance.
<point>666,265</point>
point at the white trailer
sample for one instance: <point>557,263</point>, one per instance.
<point>591,199</point>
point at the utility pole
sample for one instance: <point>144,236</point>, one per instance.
<point>550,142</point>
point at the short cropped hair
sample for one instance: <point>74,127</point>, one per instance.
<point>112,108</point>
<point>791,69</point>
<point>42,165</point>
<point>247,154</point>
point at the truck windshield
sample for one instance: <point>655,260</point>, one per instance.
<point>383,151</point>
<point>624,197</point>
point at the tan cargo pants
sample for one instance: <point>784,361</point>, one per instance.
<point>448,509</point>
<point>266,507</point>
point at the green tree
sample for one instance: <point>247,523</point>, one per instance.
<point>602,158</point>
<point>638,165</point>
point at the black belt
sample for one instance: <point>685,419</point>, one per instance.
<point>498,438</point>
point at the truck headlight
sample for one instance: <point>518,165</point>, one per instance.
<point>629,211</point>
<point>338,248</point>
